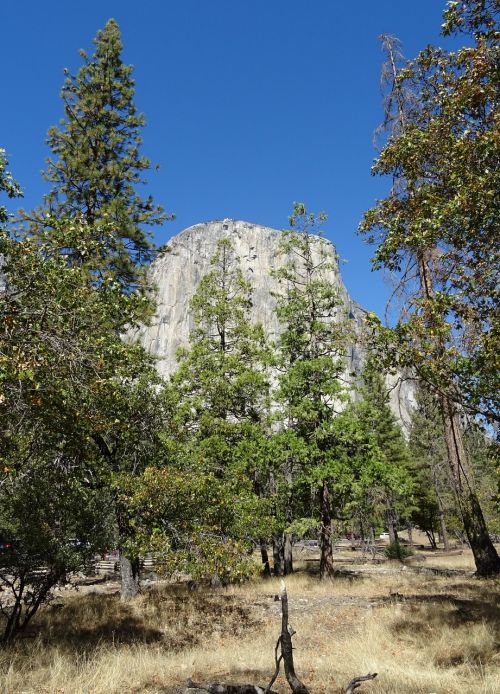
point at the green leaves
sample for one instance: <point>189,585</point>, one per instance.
<point>7,184</point>
<point>437,230</point>
<point>200,509</point>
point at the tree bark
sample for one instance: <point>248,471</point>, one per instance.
<point>277,555</point>
<point>296,685</point>
<point>287,555</point>
<point>442,526</point>
<point>485,555</point>
<point>391,519</point>
<point>287,548</point>
<point>129,572</point>
<point>266,569</point>
<point>326,562</point>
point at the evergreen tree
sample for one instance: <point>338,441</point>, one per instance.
<point>95,173</point>
<point>222,376</point>
<point>7,185</point>
<point>311,350</point>
<point>97,165</point>
<point>380,426</point>
<point>217,437</point>
<point>433,492</point>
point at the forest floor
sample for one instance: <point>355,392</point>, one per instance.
<point>426,627</point>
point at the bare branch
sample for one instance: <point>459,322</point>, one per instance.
<point>357,682</point>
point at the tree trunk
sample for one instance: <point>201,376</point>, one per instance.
<point>431,537</point>
<point>443,532</point>
<point>12,624</point>
<point>391,519</point>
<point>277,555</point>
<point>326,562</point>
<point>129,572</point>
<point>485,556</point>
<point>266,569</point>
<point>287,555</point>
<point>442,528</point>
<point>287,548</point>
<point>296,685</point>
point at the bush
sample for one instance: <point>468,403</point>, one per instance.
<point>397,551</point>
<point>55,524</point>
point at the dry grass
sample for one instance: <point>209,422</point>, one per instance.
<point>421,633</point>
<point>461,561</point>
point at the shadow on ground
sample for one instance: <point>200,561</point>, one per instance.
<point>174,618</point>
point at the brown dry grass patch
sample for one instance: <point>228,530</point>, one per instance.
<point>421,633</point>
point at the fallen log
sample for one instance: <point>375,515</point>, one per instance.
<point>222,688</point>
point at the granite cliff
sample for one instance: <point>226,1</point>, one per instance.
<point>176,275</point>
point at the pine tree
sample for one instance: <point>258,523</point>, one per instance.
<point>434,496</point>
<point>7,185</point>
<point>97,165</point>
<point>311,350</point>
<point>391,481</point>
<point>95,173</point>
<point>220,404</point>
<point>223,374</point>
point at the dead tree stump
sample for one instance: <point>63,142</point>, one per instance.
<point>283,652</point>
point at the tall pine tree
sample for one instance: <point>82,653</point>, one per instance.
<point>220,404</point>
<point>95,172</point>
<point>96,165</point>
<point>389,449</point>
<point>311,351</point>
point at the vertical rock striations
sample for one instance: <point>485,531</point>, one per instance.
<point>176,275</point>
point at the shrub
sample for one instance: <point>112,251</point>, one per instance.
<point>397,551</point>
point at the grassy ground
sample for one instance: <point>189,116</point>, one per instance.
<point>422,632</point>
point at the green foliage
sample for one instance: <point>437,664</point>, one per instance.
<point>311,347</point>
<point>300,527</point>
<point>484,454</point>
<point>222,378</point>
<point>383,480</point>
<point>202,508</point>
<point>7,184</point>
<point>98,166</point>
<point>55,523</point>
<point>62,362</point>
<point>479,18</point>
<point>395,550</point>
<point>71,385</point>
<point>72,394</point>
<point>194,522</point>
<point>439,222</point>
<point>310,360</point>
<point>433,491</point>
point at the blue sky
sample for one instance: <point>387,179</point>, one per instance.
<point>249,104</point>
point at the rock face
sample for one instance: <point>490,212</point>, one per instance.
<point>177,273</point>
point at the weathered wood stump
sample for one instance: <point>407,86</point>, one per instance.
<point>284,644</point>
